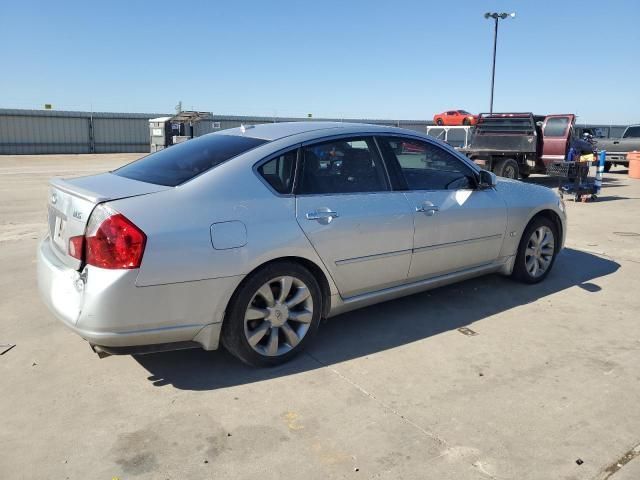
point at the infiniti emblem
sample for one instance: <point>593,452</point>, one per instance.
<point>278,314</point>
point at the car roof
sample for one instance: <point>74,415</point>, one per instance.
<point>275,131</point>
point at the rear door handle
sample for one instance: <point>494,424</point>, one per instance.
<point>327,215</point>
<point>430,210</point>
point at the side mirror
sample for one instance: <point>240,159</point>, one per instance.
<point>487,179</point>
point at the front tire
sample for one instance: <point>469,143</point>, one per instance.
<point>439,122</point>
<point>537,251</point>
<point>272,315</point>
<point>607,166</point>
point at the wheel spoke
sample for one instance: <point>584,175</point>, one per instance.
<point>255,313</point>
<point>529,264</point>
<point>545,239</point>
<point>272,346</point>
<point>538,236</point>
<point>544,263</point>
<point>292,336</point>
<point>534,267</point>
<point>300,296</point>
<point>258,334</point>
<point>285,288</point>
<point>303,316</point>
<point>266,293</point>
<point>529,252</point>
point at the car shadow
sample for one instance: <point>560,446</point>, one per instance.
<point>383,326</point>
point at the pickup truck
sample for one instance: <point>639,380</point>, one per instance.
<point>617,148</point>
<point>514,145</point>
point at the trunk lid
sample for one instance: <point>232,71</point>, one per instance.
<point>71,201</point>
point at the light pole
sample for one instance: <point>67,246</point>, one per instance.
<point>496,16</point>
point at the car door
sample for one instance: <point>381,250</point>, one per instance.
<point>457,226</point>
<point>453,118</point>
<point>362,231</point>
<point>556,132</point>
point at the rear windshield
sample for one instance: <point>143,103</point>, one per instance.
<point>179,163</point>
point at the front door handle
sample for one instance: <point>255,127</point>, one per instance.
<point>322,215</point>
<point>430,210</point>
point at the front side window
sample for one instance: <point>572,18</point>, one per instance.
<point>425,166</point>
<point>179,163</point>
<point>632,132</point>
<point>278,172</point>
<point>556,127</point>
<point>342,166</point>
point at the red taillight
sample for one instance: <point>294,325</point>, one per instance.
<point>76,246</point>
<point>115,243</point>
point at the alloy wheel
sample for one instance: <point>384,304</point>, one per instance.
<point>539,252</point>
<point>278,316</point>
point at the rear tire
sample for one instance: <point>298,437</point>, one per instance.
<point>272,315</point>
<point>507,168</point>
<point>537,251</point>
<point>607,166</point>
<point>439,122</point>
<point>466,122</point>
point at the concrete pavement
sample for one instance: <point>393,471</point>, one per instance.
<point>392,391</point>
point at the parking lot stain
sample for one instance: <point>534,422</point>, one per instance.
<point>292,419</point>
<point>138,464</point>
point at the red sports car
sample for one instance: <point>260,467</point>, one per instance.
<point>455,117</point>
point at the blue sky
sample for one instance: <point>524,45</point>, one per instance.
<point>403,59</point>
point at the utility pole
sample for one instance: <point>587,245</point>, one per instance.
<point>496,16</point>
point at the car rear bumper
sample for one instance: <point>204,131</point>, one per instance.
<point>106,308</point>
<point>616,157</point>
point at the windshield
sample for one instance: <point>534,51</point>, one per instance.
<point>464,112</point>
<point>177,164</point>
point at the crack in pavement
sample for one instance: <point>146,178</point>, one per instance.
<point>429,434</point>
<point>614,467</point>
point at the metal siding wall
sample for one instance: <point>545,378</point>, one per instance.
<point>42,131</point>
<point>203,127</point>
<point>25,134</point>
<point>112,135</point>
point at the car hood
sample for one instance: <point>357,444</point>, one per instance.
<point>513,190</point>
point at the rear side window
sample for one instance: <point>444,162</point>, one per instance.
<point>179,163</point>
<point>342,166</point>
<point>278,172</point>
<point>556,127</point>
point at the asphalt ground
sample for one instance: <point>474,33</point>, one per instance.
<point>545,385</point>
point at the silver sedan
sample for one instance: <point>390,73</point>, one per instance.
<point>249,237</point>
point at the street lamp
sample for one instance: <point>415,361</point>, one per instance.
<point>496,16</point>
